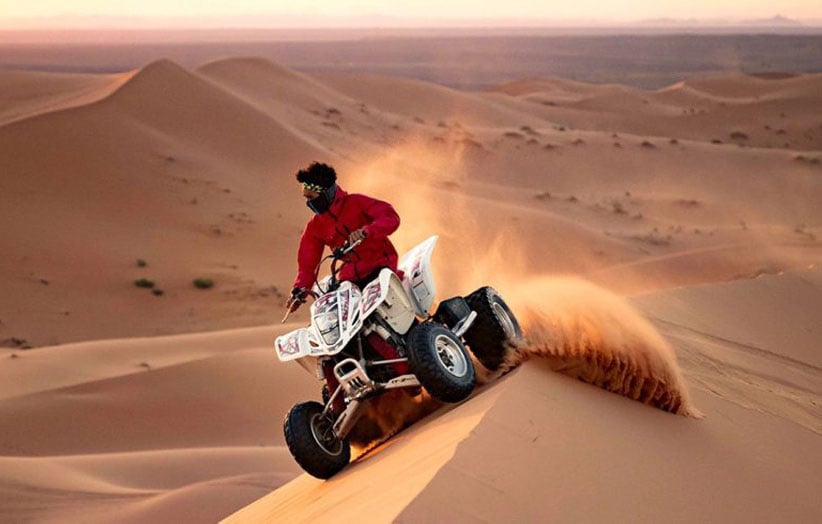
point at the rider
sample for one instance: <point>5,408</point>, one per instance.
<point>340,217</point>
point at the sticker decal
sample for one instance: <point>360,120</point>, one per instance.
<point>372,294</point>
<point>291,345</point>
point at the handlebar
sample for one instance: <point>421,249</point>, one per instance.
<point>344,250</point>
<point>292,308</point>
<point>336,254</point>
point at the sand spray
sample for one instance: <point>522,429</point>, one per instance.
<point>582,330</point>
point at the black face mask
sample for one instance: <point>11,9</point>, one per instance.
<point>321,203</point>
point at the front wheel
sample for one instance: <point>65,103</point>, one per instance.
<point>440,362</point>
<point>312,442</point>
<point>495,331</point>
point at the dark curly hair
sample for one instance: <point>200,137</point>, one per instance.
<point>318,173</point>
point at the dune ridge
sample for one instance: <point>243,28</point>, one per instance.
<point>30,93</point>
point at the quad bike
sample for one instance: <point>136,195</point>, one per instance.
<point>365,342</point>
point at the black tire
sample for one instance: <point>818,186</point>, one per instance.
<point>440,362</point>
<point>312,442</point>
<point>495,330</point>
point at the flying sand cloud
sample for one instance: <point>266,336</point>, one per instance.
<point>582,330</point>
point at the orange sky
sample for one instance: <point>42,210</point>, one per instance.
<point>301,11</point>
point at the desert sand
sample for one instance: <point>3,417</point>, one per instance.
<point>663,245</point>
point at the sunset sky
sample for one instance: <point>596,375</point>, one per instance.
<point>336,12</point>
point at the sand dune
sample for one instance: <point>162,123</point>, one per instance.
<point>29,93</point>
<point>42,371</point>
<point>756,342</point>
<point>550,445</point>
<point>433,104</point>
<point>700,200</point>
<point>733,109</point>
<point>141,486</point>
<point>103,430</point>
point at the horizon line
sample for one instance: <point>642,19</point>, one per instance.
<point>266,21</point>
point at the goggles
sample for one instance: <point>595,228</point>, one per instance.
<point>313,187</point>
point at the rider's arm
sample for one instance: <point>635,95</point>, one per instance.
<point>384,220</point>
<point>308,257</point>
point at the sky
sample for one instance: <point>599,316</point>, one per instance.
<point>343,12</point>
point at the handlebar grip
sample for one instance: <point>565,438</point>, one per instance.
<point>345,249</point>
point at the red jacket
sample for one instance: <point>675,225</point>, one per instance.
<point>331,228</point>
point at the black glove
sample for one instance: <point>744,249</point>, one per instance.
<point>297,298</point>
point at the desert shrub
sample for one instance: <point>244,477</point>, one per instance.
<point>16,342</point>
<point>739,135</point>
<point>144,282</point>
<point>654,239</point>
<point>141,263</point>
<point>203,283</point>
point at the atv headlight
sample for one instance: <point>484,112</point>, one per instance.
<point>328,325</point>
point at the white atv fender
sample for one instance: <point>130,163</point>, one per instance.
<point>418,280</point>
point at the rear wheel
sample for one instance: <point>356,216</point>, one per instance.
<point>495,330</point>
<point>440,362</point>
<point>312,442</point>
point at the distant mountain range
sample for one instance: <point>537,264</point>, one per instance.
<point>774,21</point>
<point>290,22</point>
